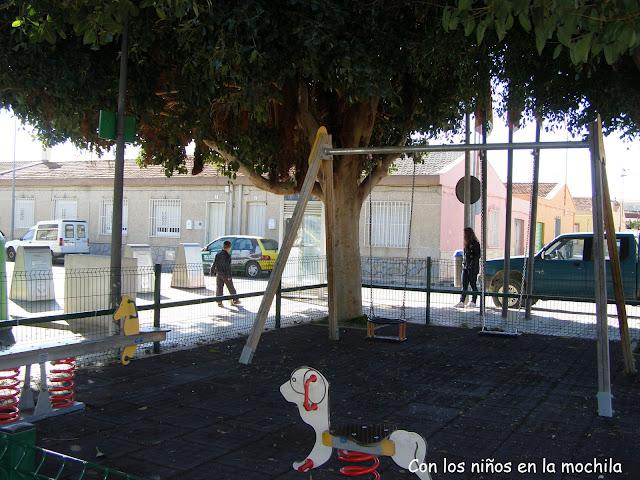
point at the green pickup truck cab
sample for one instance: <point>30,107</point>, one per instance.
<point>564,268</point>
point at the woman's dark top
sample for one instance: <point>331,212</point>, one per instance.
<point>471,260</point>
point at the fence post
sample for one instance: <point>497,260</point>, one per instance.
<point>428,291</point>
<point>157,282</point>
<point>278,304</point>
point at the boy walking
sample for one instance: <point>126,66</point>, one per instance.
<point>221,268</point>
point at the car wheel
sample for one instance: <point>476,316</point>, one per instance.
<point>11,254</point>
<point>513,288</point>
<point>252,269</point>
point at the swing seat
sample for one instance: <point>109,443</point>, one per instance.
<point>374,323</point>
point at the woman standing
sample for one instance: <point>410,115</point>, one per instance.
<point>470,267</point>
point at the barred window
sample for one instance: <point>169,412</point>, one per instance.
<point>24,212</point>
<point>165,217</point>
<point>106,216</point>
<point>389,224</point>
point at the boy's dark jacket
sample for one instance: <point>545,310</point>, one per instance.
<point>222,264</point>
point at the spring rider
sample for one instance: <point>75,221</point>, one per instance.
<point>356,443</point>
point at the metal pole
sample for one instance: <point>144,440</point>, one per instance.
<point>13,179</point>
<point>507,227</point>
<point>483,167</point>
<point>605,408</point>
<point>533,222</point>
<point>468,221</point>
<point>157,284</point>
<point>428,312</point>
<point>454,147</point>
<point>279,305</point>
<point>118,178</point>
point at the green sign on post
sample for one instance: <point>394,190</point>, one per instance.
<point>107,126</point>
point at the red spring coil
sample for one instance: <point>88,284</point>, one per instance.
<point>359,470</point>
<point>9,394</point>
<point>62,389</point>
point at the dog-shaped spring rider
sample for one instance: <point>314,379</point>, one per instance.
<point>309,389</point>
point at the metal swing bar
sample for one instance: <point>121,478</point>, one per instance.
<point>456,147</point>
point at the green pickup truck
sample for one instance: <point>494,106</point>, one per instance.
<point>564,268</point>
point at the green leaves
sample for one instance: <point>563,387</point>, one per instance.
<point>16,23</point>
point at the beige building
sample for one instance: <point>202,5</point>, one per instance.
<point>556,210</point>
<point>164,212</point>
<point>584,215</point>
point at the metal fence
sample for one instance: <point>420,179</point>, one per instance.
<point>65,302</point>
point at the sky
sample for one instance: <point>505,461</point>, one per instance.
<point>565,166</point>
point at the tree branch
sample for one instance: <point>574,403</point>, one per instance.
<point>263,183</point>
<point>379,171</point>
<point>306,119</point>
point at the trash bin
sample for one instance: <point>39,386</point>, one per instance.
<point>6,336</point>
<point>457,278</point>
<point>3,281</point>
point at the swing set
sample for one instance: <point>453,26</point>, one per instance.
<point>321,161</point>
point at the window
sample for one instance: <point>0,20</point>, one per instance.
<point>24,212</point>
<point>65,209</point>
<point>47,232</point>
<point>29,235</point>
<point>165,217</point>
<point>243,244</point>
<point>558,226</point>
<point>82,230</point>
<point>269,244</point>
<point>217,245</point>
<point>621,250</point>
<point>69,230</point>
<point>389,224</point>
<point>576,227</point>
<point>106,216</point>
<point>494,228</point>
<point>566,249</point>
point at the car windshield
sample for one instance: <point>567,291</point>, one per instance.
<point>269,244</point>
<point>28,235</point>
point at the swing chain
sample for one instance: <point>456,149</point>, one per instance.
<point>403,311</point>
<point>372,312</point>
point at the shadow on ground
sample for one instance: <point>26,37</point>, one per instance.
<point>198,414</point>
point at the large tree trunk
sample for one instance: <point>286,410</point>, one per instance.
<point>347,264</point>
<point>348,273</point>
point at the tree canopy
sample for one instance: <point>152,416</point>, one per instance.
<point>251,81</point>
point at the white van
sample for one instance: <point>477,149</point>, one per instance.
<point>61,236</point>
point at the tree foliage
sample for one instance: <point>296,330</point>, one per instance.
<point>251,81</point>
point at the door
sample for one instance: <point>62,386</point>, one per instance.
<point>65,209</point>
<point>69,238</point>
<point>518,240</point>
<point>561,269</point>
<point>256,219</point>
<point>243,248</point>
<point>627,265</point>
<point>216,217</point>
<point>82,237</point>
<point>210,251</point>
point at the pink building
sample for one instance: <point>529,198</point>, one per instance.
<point>437,214</point>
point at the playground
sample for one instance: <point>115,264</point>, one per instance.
<point>197,413</point>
